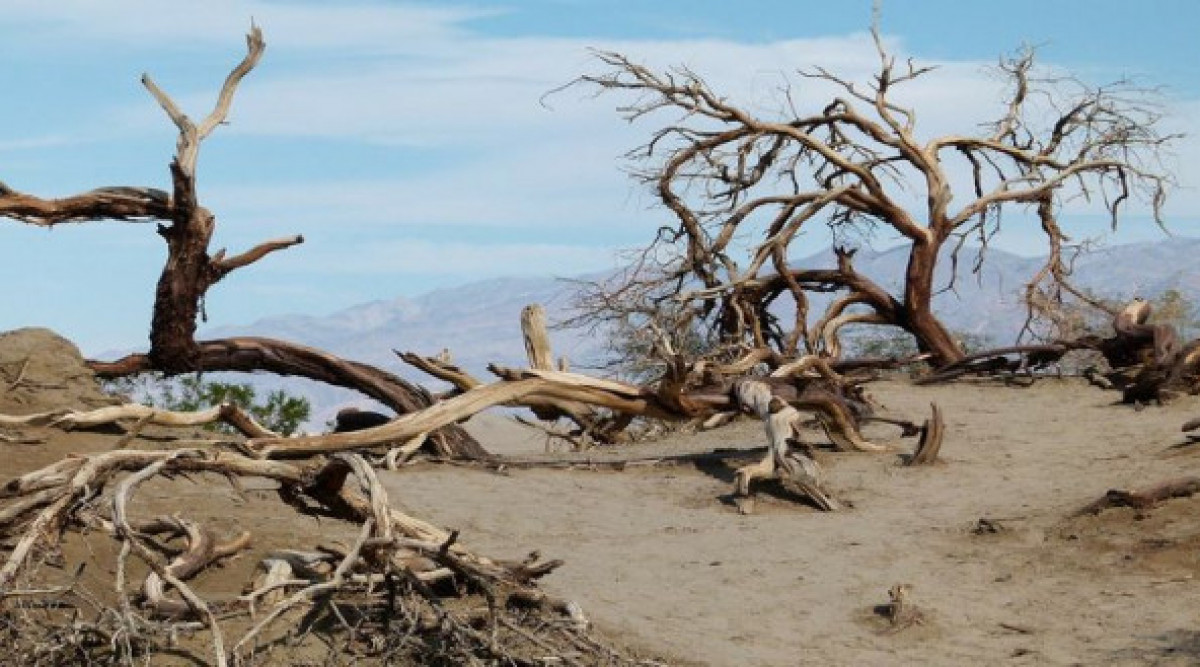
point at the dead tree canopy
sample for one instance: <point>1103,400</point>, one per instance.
<point>742,187</point>
<point>190,270</point>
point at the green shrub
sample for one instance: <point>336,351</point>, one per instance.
<point>280,412</point>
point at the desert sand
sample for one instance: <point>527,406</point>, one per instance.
<point>662,562</point>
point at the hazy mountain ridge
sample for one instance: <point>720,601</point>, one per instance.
<point>480,322</point>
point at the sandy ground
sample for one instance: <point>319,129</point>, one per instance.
<point>659,556</point>
<point>660,559</point>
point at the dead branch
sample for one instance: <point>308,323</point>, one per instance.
<point>228,413</point>
<point>248,354</point>
<point>1144,498</point>
<point>797,472</point>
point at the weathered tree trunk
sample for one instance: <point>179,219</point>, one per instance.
<point>918,317</point>
<point>537,337</point>
<point>185,278</point>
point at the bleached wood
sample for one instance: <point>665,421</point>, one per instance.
<point>537,337</point>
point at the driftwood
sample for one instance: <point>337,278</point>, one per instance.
<point>537,338</point>
<point>228,413</point>
<point>900,612</point>
<point>275,356</point>
<point>797,472</point>
<point>996,361</point>
<point>1148,362</point>
<point>524,387</point>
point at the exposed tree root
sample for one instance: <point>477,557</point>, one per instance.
<point>899,611</point>
<point>392,576</point>
<point>1144,498</point>
<point>797,472</point>
<point>930,443</point>
<point>69,420</point>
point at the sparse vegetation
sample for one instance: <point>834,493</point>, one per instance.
<point>279,412</point>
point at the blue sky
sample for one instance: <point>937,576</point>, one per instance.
<point>408,142</point>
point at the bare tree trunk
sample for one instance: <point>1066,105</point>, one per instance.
<point>918,315</point>
<point>537,338</point>
<point>185,278</point>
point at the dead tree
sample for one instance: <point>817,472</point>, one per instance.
<point>190,270</point>
<point>743,186</point>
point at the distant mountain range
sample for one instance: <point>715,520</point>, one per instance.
<point>480,322</point>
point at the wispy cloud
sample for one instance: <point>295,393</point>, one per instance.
<point>465,259</point>
<point>149,25</point>
<point>521,183</point>
<point>35,143</point>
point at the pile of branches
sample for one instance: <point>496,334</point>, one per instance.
<point>403,590</point>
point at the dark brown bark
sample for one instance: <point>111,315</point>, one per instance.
<point>918,318</point>
<point>185,278</point>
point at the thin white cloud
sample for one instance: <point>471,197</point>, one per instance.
<point>151,25</point>
<point>418,78</point>
<point>560,185</point>
<point>35,143</point>
<point>465,259</point>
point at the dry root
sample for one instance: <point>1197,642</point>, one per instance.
<point>798,473</point>
<point>900,612</point>
<point>403,591</point>
<point>930,443</point>
<point>1145,498</point>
